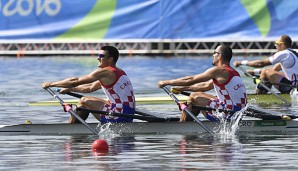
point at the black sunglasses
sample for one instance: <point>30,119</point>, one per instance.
<point>101,56</point>
<point>215,52</point>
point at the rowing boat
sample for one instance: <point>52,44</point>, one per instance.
<point>252,98</point>
<point>247,125</point>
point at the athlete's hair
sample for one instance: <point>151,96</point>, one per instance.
<point>286,40</point>
<point>111,52</point>
<point>226,52</point>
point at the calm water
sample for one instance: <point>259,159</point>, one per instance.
<point>20,81</point>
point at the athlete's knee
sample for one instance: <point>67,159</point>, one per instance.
<point>266,72</point>
<point>190,98</point>
<point>83,101</point>
<point>194,96</point>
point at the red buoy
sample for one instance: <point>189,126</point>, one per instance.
<point>100,146</point>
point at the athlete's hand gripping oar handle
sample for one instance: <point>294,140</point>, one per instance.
<point>268,89</point>
<point>69,110</point>
<point>184,108</point>
<point>175,91</point>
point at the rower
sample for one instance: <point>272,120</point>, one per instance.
<point>227,83</point>
<point>114,82</point>
<point>284,74</point>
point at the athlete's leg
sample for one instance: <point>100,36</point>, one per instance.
<point>271,75</point>
<point>285,86</point>
<point>268,76</point>
<point>89,102</point>
<point>195,99</point>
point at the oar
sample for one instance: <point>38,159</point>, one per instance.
<point>72,94</point>
<point>184,108</point>
<point>136,111</point>
<point>268,89</point>
<point>69,110</point>
<point>254,112</point>
<point>267,116</point>
<point>144,118</point>
<point>251,111</point>
<point>212,109</point>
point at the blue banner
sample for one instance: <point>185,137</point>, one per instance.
<point>147,19</point>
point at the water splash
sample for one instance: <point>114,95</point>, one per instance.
<point>227,128</point>
<point>105,131</point>
<point>294,97</point>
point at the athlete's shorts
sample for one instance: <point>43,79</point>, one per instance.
<point>281,88</point>
<point>112,108</point>
<point>216,104</point>
<point>263,90</point>
<point>284,88</point>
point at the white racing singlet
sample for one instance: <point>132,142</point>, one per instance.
<point>120,95</point>
<point>289,64</point>
<point>230,95</point>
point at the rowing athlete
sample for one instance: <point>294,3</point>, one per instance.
<point>227,83</point>
<point>284,74</point>
<point>111,79</point>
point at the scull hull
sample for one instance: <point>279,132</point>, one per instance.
<point>146,128</point>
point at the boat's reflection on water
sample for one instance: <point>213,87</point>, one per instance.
<point>228,151</point>
<point>81,145</point>
<point>166,151</point>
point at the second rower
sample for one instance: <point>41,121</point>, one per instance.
<point>229,87</point>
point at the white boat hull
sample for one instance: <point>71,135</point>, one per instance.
<point>146,128</point>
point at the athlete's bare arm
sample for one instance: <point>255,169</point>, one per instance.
<point>203,86</point>
<point>107,76</point>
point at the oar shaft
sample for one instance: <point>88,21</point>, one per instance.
<point>71,93</point>
<point>184,108</point>
<point>252,112</point>
<point>219,110</point>
<point>145,118</point>
<point>268,89</point>
<point>80,96</point>
<point>69,110</point>
<point>74,95</point>
<point>143,113</point>
<point>185,93</point>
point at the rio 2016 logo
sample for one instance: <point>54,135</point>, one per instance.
<point>26,7</point>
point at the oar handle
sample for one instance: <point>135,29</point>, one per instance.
<point>268,89</point>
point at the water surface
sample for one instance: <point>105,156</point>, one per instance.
<point>20,83</point>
